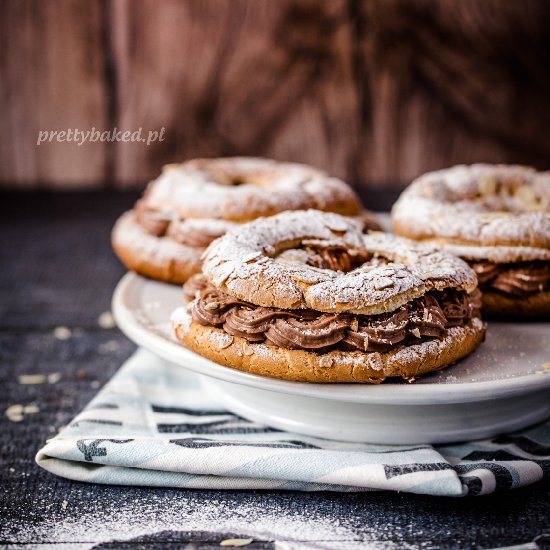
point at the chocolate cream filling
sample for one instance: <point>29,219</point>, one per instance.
<point>153,222</point>
<point>161,224</point>
<point>425,317</point>
<point>514,279</point>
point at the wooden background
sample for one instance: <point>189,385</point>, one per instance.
<point>375,91</point>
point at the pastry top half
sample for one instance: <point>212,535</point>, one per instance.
<point>239,189</point>
<point>323,261</point>
<point>498,212</point>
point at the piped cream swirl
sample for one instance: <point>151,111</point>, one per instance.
<point>425,317</point>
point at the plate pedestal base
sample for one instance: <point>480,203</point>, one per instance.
<point>390,424</point>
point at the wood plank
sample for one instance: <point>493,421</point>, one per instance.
<point>374,91</point>
<point>453,82</point>
<point>230,78</point>
<point>52,79</point>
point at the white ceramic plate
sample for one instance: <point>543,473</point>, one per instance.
<point>504,385</point>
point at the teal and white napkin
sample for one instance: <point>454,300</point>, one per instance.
<point>153,425</point>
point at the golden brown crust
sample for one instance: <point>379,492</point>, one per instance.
<point>336,366</point>
<point>499,306</point>
<point>160,258</point>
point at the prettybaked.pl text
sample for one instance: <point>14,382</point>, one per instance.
<point>93,135</point>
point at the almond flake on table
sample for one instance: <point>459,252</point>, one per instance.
<point>33,379</point>
<point>16,412</point>
<point>106,320</point>
<point>62,333</point>
<point>236,542</point>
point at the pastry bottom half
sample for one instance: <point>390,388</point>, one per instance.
<point>404,361</point>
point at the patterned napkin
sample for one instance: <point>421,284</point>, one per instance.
<point>153,425</point>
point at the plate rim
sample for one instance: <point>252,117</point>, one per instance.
<point>403,394</point>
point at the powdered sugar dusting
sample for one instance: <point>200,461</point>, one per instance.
<point>358,290</point>
<point>489,205</point>
<point>180,317</point>
<point>436,346</point>
<point>261,279</point>
<point>218,515</point>
<point>199,232</point>
<point>399,270</point>
<point>244,188</point>
<point>438,269</point>
<point>220,339</point>
<point>496,359</point>
<point>497,254</point>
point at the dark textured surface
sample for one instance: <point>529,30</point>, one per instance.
<point>58,270</point>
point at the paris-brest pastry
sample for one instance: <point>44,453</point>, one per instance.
<point>496,217</point>
<point>307,296</point>
<point>191,204</point>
